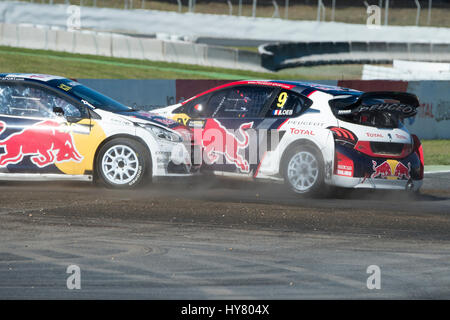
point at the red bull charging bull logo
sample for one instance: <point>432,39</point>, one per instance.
<point>46,141</point>
<point>216,140</point>
<point>391,169</point>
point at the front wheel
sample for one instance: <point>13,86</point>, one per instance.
<point>303,171</point>
<point>122,163</point>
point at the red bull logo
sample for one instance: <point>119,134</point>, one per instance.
<point>391,169</point>
<point>46,141</point>
<point>216,140</point>
<point>402,171</point>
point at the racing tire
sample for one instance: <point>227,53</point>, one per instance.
<point>303,171</point>
<point>123,164</point>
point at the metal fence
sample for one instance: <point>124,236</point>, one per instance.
<point>392,12</point>
<point>124,46</point>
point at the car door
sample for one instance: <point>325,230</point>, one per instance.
<point>36,132</point>
<point>229,125</point>
<point>243,123</point>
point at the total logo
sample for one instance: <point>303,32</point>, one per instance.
<point>399,136</point>
<point>391,169</point>
<point>374,135</point>
<point>302,131</point>
<point>283,112</point>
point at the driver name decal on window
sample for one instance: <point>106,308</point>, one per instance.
<point>283,112</point>
<point>286,104</point>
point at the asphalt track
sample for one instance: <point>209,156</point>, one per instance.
<point>215,239</point>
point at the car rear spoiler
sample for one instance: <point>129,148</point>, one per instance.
<point>402,103</point>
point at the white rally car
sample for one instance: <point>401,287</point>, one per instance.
<point>307,135</point>
<point>52,128</point>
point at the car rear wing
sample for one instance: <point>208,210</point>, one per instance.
<point>400,103</point>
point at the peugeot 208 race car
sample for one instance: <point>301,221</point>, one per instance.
<point>307,135</point>
<point>56,128</point>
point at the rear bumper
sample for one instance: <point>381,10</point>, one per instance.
<point>354,169</point>
<point>369,183</point>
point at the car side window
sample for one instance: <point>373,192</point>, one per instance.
<point>197,108</point>
<point>22,99</point>
<point>287,104</point>
<point>239,102</point>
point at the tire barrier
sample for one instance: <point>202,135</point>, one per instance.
<point>276,56</point>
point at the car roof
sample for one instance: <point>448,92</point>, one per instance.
<point>310,86</point>
<point>302,87</point>
<point>30,76</point>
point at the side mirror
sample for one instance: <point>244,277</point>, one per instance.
<point>58,111</point>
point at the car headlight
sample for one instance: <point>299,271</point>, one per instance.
<point>164,134</point>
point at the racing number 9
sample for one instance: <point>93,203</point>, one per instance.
<point>282,99</point>
<point>64,87</point>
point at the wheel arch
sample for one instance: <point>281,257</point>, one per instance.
<point>116,136</point>
<point>299,143</point>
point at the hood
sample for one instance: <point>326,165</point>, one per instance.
<point>145,116</point>
<point>167,111</point>
<point>155,119</point>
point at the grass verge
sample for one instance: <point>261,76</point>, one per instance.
<point>89,66</point>
<point>436,152</point>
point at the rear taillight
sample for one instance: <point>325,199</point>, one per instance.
<point>343,136</point>
<point>417,147</point>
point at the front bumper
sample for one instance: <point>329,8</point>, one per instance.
<point>168,158</point>
<point>172,160</point>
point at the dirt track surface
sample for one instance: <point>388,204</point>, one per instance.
<point>215,239</point>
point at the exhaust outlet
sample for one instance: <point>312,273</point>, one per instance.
<point>410,185</point>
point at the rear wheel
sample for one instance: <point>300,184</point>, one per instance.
<point>122,163</point>
<point>303,170</point>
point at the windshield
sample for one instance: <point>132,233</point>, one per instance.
<point>94,98</point>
